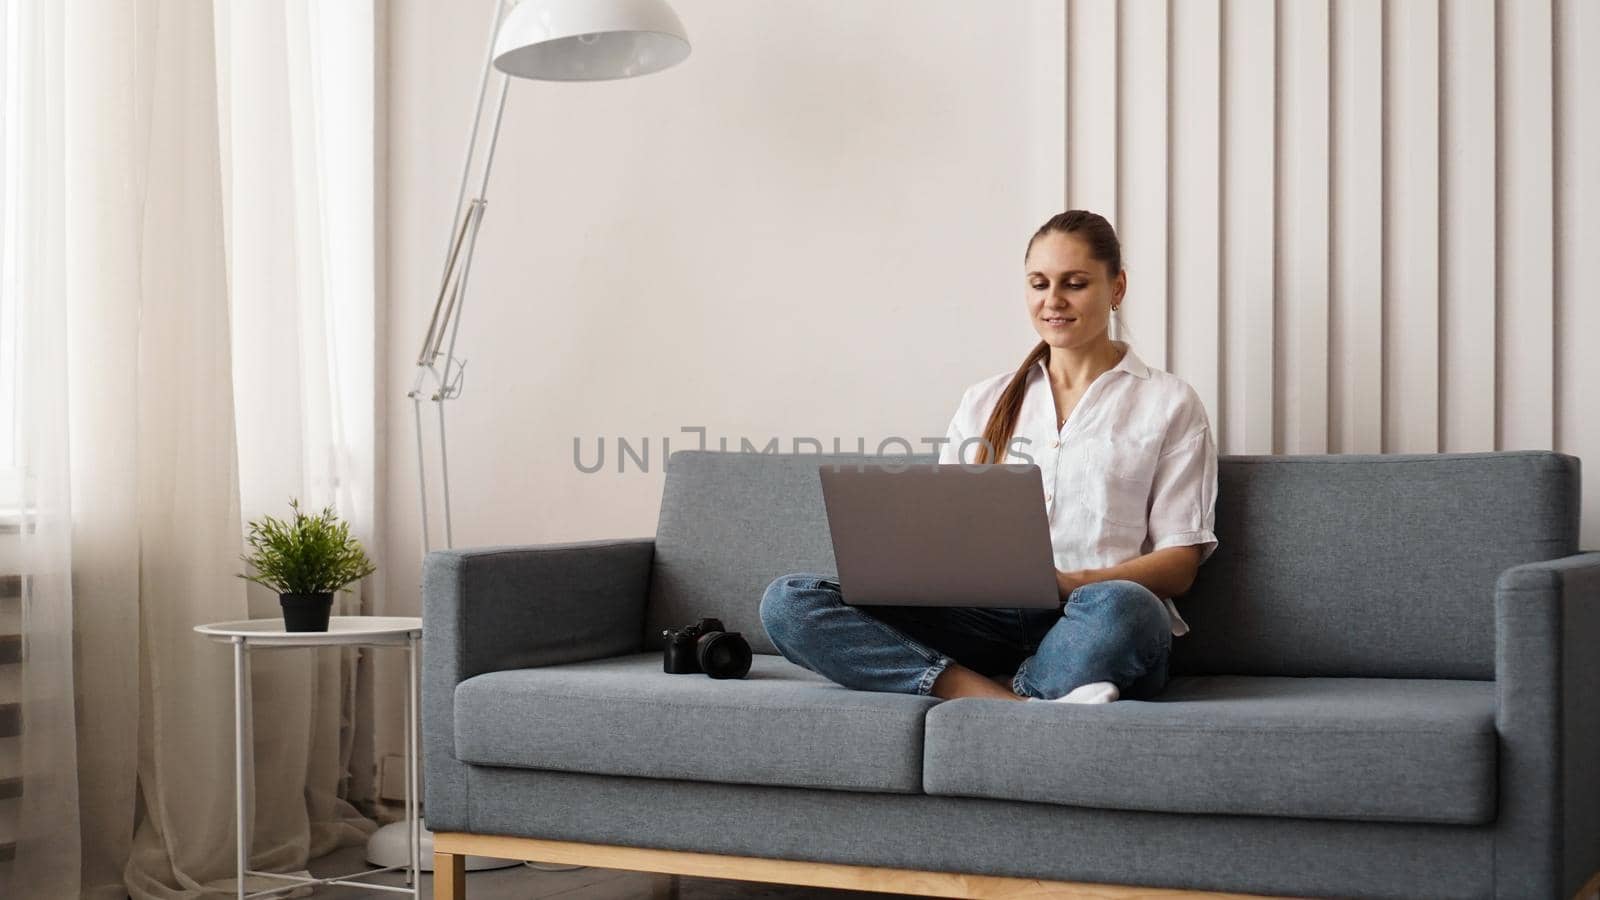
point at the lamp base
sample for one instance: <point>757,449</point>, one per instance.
<point>387,847</point>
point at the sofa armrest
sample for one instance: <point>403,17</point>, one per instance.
<point>492,608</point>
<point>1547,688</point>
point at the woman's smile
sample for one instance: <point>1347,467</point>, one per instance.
<point>1060,321</point>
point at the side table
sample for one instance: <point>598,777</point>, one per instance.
<point>349,631</point>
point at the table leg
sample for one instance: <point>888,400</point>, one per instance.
<point>413,820</point>
<point>238,761</point>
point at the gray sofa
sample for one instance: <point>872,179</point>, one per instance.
<point>1391,689</point>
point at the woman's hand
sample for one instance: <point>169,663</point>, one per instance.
<point>1067,582</point>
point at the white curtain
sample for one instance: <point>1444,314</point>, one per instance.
<point>296,103</point>
<point>186,341</point>
<point>42,823</point>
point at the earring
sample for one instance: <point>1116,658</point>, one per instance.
<point>1115,308</point>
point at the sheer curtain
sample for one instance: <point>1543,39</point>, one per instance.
<point>41,823</point>
<point>186,341</point>
<point>295,97</point>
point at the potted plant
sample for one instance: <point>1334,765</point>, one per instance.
<point>305,561</point>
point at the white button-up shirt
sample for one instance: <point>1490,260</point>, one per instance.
<point>1133,470</point>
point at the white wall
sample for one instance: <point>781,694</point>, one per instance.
<point>1354,227</point>
<point>812,227</point>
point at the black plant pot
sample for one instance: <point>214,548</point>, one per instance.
<point>306,612</point>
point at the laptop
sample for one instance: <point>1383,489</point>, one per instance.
<point>930,534</point>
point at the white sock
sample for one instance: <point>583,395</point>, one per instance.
<point>1093,692</point>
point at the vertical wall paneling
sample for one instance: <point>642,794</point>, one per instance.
<point>1194,351</point>
<point>1092,107</point>
<point>1354,226</point>
<point>1248,261</point>
<point>1355,396</point>
<point>1467,226</point>
<point>1525,279</point>
<point>1302,223</point>
<point>1142,190</point>
<point>1411,227</point>
<point>1577,241</point>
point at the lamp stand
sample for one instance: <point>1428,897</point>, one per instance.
<point>439,378</point>
<point>553,40</point>
<point>439,371</point>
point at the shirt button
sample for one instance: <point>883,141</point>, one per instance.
<point>1047,497</point>
<point>1055,443</point>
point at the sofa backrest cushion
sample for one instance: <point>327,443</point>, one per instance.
<point>1358,565</point>
<point>1380,565</point>
<point>730,523</point>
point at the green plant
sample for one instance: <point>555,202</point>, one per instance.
<point>311,555</point>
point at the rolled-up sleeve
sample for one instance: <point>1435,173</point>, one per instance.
<point>1183,495</point>
<point>950,450</point>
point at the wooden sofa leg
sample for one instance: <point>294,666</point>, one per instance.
<point>449,876</point>
<point>663,887</point>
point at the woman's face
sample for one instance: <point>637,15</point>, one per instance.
<point>1069,293</point>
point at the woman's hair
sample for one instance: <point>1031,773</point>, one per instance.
<point>1101,238</point>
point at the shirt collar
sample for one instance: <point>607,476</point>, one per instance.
<point>1130,363</point>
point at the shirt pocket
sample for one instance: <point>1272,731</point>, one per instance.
<point>1118,470</point>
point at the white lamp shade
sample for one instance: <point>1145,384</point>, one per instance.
<point>589,40</point>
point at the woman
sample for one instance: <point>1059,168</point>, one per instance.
<point>1130,474</point>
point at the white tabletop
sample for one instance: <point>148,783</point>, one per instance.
<point>341,630</point>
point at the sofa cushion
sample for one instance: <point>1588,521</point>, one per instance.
<point>779,725</point>
<point>1314,551</point>
<point>1370,565</point>
<point>1375,749</point>
<point>732,522</point>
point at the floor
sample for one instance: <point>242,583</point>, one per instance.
<point>525,883</point>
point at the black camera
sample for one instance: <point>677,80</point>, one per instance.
<point>705,647</point>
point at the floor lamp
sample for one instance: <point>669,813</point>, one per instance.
<point>546,40</point>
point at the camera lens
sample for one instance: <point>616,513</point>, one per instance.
<point>725,655</point>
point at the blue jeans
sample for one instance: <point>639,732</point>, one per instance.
<point>1117,631</point>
